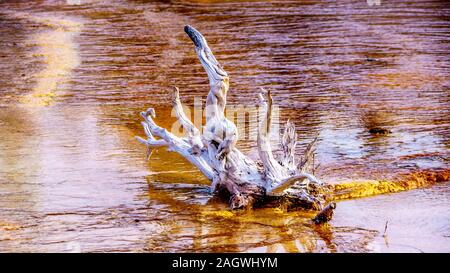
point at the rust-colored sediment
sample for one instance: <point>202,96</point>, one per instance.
<point>411,181</point>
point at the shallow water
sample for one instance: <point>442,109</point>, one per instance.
<point>73,178</point>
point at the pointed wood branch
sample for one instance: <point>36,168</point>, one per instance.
<point>193,134</point>
<point>288,144</point>
<point>307,160</point>
<point>273,170</point>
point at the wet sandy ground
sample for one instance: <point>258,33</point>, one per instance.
<point>72,177</point>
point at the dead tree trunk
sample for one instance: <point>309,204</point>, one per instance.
<point>277,181</point>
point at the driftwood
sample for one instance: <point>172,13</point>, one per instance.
<point>278,181</point>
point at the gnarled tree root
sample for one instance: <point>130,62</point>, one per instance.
<point>277,181</point>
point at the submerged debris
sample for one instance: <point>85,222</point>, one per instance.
<point>379,131</point>
<point>325,215</point>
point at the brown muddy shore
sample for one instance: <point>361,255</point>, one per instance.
<point>371,81</point>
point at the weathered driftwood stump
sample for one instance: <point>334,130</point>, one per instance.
<point>278,181</point>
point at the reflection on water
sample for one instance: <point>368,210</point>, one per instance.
<point>72,177</point>
<point>59,55</point>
